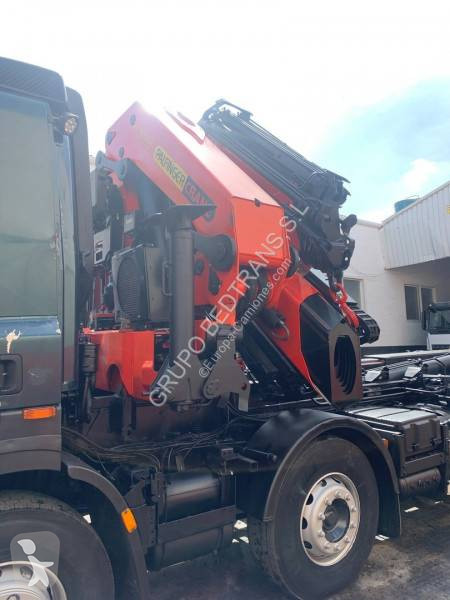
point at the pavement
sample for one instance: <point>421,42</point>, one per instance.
<point>415,567</point>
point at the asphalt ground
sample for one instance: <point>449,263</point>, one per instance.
<point>415,566</point>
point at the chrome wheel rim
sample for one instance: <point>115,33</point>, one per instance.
<point>15,578</point>
<point>329,519</point>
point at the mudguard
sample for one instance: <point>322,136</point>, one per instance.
<point>286,435</point>
<point>125,549</point>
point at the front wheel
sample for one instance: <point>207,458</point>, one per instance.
<point>47,550</point>
<point>325,521</point>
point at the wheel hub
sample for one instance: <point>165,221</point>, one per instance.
<point>14,584</point>
<point>330,519</point>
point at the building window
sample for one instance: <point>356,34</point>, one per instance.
<point>417,298</point>
<point>412,302</point>
<point>353,289</point>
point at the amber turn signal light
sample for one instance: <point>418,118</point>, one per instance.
<point>40,412</point>
<point>128,520</point>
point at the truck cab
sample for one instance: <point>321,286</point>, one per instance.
<point>436,324</point>
<point>45,250</point>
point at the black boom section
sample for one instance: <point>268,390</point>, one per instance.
<point>299,178</point>
<point>315,193</point>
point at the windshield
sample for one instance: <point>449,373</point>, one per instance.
<point>439,321</point>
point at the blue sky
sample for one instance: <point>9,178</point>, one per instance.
<point>361,87</point>
<point>395,149</point>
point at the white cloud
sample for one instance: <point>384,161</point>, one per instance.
<point>377,215</point>
<point>415,180</point>
<point>421,178</point>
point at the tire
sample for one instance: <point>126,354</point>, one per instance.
<point>281,545</point>
<point>84,566</point>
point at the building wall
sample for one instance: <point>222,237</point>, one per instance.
<point>383,289</point>
<point>420,232</point>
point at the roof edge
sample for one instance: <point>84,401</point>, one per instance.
<point>416,202</point>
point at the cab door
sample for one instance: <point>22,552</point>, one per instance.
<point>30,256</point>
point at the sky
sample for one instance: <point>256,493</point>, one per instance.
<point>360,87</point>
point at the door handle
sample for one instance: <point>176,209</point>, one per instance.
<point>10,374</point>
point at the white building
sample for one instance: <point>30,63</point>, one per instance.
<point>400,266</point>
